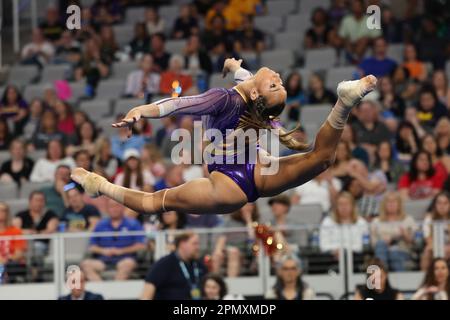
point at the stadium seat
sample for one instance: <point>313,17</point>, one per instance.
<point>125,105</point>
<point>308,6</point>
<point>268,24</point>
<point>298,23</point>
<point>17,205</point>
<point>4,156</point>
<point>96,109</point>
<point>417,208</point>
<point>122,69</point>
<point>169,11</point>
<point>134,15</point>
<point>175,46</point>
<point>8,191</point>
<point>395,52</point>
<point>78,90</point>
<point>312,117</point>
<point>37,154</point>
<point>28,187</point>
<point>21,75</point>
<point>309,214</point>
<point>320,59</point>
<point>289,40</point>
<point>305,73</point>
<point>35,91</point>
<point>336,75</point>
<point>75,249</point>
<point>105,127</point>
<point>217,81</point>
<point>281,7</point>
<point>55,72</point>
<point>278,60</point>
<point>111,89</point>
<point>123,33</point>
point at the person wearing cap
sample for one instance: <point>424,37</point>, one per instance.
<point>133,176</point>
<point>289,284</point>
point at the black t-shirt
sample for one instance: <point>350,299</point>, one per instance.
<point>388,294</point>
<point>162,61</point>
<point>28,223</point>
<point>23,173</point>
<point>168,278</point>
<point>52,32</point>
<point>80,220</point>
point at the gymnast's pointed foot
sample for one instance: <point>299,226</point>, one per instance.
<point>89,181</point>
<point>351,92</point>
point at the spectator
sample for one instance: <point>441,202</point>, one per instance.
<point>217,39</point>
<point>384,291</point>
<point>171,221</point>
<point>196,59</point>
<point>379,64</point>
<point>373,185</point>
<point>172,178</point>
<point>421,182</point>
<point>432,45</point>
<point>84,139</point>
<point>107,12</point>
<point>248,38</point>
<point>404,85</point>
<point>202,221</point>
<point>440,213</point>
<point>39,51</point>
<point>235,246</point>
<point>391,103</point>
<point>141,41</point>
<point>143,83</point>
<point>369,129</point>
<point>68,49</point>
<point>296,97</point>
<point>160,56</point>
<point>78,288</point>
<point>121,142</point>
<point>54,195</point>
<point>436,283</point>
<point>133,176</point>
<point>12,251</point>
<point>213,287</point>
<point>177,276</point>
<point>185,25</point>
<point>175,74</point>
<point>108,44</point>
<point>406,142</point>
<point>280,206</point>
<point>331,236</point>
<point>318,94</point>
<point>338,9</point>
<point>385,162</point>
<point>289,284</point>
<point>321,34</point>
<point>339,168</point>
<point>441,87</point>
<point>44,168</point>
<point>393,233</point>
<point>154,23</point>
<point>104,162</point>
<point>31,123</point>
<point>355,33</point>
<point>79,216</point>
<point>430,110</point>
<point>66,123</point>
<point>13,107</point>
<point>37,220</point>
<point>442,134</point>
<point>18,168</point>
<point>117,252</point>
<point>349,137</point>
<point>392,28</point>
<point>51,27</point>
<point>92,67</point>
<point>48,131</point>
<point>417,69</point>
<point>322,190</point>
<point>441,162</point>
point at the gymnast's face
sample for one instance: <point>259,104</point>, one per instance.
<point>268,84</point>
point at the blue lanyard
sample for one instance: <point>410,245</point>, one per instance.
<point>187,275</point>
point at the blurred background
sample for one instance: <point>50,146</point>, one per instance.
<point>384,202</point>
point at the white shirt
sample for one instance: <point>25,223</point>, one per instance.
<point>45,47</point>
<point>134,82</point>
<point>333,235</point>
<point>315,192</point>
<point>149,179</point>
<point>44,169</point>
<point>356,29</point>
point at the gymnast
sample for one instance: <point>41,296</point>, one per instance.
<point>255,102</point>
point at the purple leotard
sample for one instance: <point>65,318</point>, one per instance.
<point>221,109</point>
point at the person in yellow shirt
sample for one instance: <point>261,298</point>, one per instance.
<point>233,11</point>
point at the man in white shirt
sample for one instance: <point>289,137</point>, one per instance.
<point>143,82</point>
<point>39,51</point>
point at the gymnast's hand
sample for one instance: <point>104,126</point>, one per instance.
<point>231,65</point>
<point>133,116</point>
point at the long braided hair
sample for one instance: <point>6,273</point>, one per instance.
<point>261,117</point>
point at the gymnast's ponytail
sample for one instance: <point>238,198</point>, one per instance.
<point>261,117</point>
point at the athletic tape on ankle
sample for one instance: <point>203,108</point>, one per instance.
<point>338,116</point>
<point>112,191</point>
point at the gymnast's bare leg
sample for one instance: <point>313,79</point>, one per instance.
<point>218,193</point>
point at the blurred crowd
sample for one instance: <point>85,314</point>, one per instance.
<point>394,149</point>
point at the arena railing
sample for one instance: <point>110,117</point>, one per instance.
<point>65,249</point>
